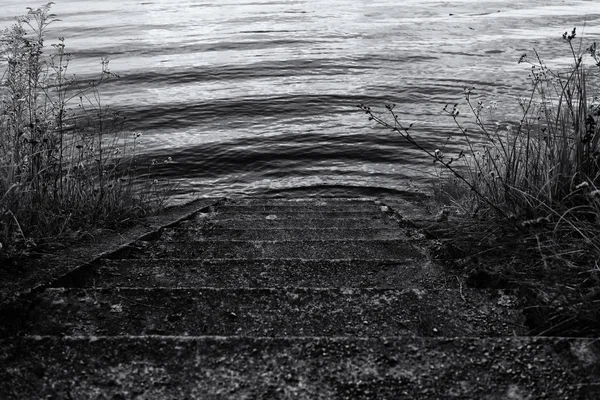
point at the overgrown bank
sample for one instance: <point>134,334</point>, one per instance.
<point>519,206</point>
<point>67,165</point>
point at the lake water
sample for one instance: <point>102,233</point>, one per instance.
<point>259,96</point>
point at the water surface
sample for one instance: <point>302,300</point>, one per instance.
<point>259,96</point>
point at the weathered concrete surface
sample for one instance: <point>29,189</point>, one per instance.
<point>237,207</point>
<point>311,202</point>
<point>292,214</point>
<point>23,276</point>
<point>270,312</point>
<point>152,367</point>
<point>306,222</point>
<point>202,234</point>
<point>258,249</point>
<point>358,273</point>
<point>272,298</point>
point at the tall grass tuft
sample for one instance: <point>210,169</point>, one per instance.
<point>66,165</point>
<point>537,176</point>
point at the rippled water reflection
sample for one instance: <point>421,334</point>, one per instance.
<point>259,97</point>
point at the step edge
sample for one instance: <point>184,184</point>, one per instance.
<point>305,338</point>
<point>276,241</point>
<point>274,289</point>
<point>326,260</point>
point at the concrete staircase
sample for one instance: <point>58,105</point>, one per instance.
<point>269,299</point>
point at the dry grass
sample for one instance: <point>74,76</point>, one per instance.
<point>526,194</point>
<point>66,167</point>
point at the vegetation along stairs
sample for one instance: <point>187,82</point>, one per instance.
<point>282,298</point>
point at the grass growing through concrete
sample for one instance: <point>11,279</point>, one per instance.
<point>524,197</point>
<point>66,165</point>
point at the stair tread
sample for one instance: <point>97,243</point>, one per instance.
<point>300,222</point>
<point>300,368</point>
<point>294,207</point>
<point>291,233</point>
<point>271,312</point>
<point>300,201</point>
<point>253,249</point>
<point>294,216</point>
<point>259,273</point>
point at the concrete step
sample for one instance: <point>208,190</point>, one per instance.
<point>267,312</point>
<point>294,216</point>
<point>258,273</point>
<point>295,223</point>
<point>305,207</point>
<point>298,202</point>
<point>154,367</point>
<point>205,233</point>
<point>259,249</point>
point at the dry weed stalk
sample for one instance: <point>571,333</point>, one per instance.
<point>66,164</point>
